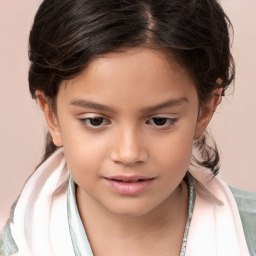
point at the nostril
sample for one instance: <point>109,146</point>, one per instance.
<point>128,148</point>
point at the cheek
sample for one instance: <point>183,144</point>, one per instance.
<point>175,159</point>
<point>175,148</point>
<point>84,153</point>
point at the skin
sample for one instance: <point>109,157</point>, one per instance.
<point>129,141</point>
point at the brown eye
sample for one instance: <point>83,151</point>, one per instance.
<point>162,122</point>
<point>159,121</point>
<point>95,121</point>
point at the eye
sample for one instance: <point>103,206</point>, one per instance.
<point>94,122</point>
<point>162,121</point>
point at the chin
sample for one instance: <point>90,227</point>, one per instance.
<point>130,209</point>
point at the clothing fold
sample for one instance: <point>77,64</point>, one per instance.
<point>40,224</point>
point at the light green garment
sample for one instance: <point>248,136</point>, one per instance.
<point>79,238</point>
<point>7,243</point>
<point>78,234</point>
<point>246,202</point>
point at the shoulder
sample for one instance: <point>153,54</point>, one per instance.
<point>246,203</point>
<point>243,194</point>
<point>7,244</point>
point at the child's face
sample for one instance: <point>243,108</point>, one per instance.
<point>130,115</point>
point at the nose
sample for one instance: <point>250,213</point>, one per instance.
<point>129,148</point>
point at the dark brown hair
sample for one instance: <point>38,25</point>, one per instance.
<point>68,34</point>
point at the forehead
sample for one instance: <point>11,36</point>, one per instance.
<point>138,75</point>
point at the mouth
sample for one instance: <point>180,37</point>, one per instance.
<point>129,185</point>
<point>134,178</point>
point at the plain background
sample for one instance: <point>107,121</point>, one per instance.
<point>22,126</point>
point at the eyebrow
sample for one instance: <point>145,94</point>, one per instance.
<point>166,104</point>
<point>93,105</point>
<point>90,104</point>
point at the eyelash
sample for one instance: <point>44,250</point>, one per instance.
<point>167,122</point>
<point>85,122</point>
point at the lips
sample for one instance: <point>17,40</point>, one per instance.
<point>129,185</point>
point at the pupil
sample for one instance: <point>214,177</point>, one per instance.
<point>96,121</point>
<point>159,121</point>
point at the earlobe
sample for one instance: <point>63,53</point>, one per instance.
<point>206,112</point>
<point>50,117</point>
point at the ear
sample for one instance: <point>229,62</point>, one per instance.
<point>50,117</point>
<point>206,112</point>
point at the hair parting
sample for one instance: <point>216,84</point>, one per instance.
<point>64,40</point>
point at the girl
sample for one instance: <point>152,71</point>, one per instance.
<point>128,88</point>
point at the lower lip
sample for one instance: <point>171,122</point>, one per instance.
<point>129,188</point>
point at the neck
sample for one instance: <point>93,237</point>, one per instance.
<point>166,220</point>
